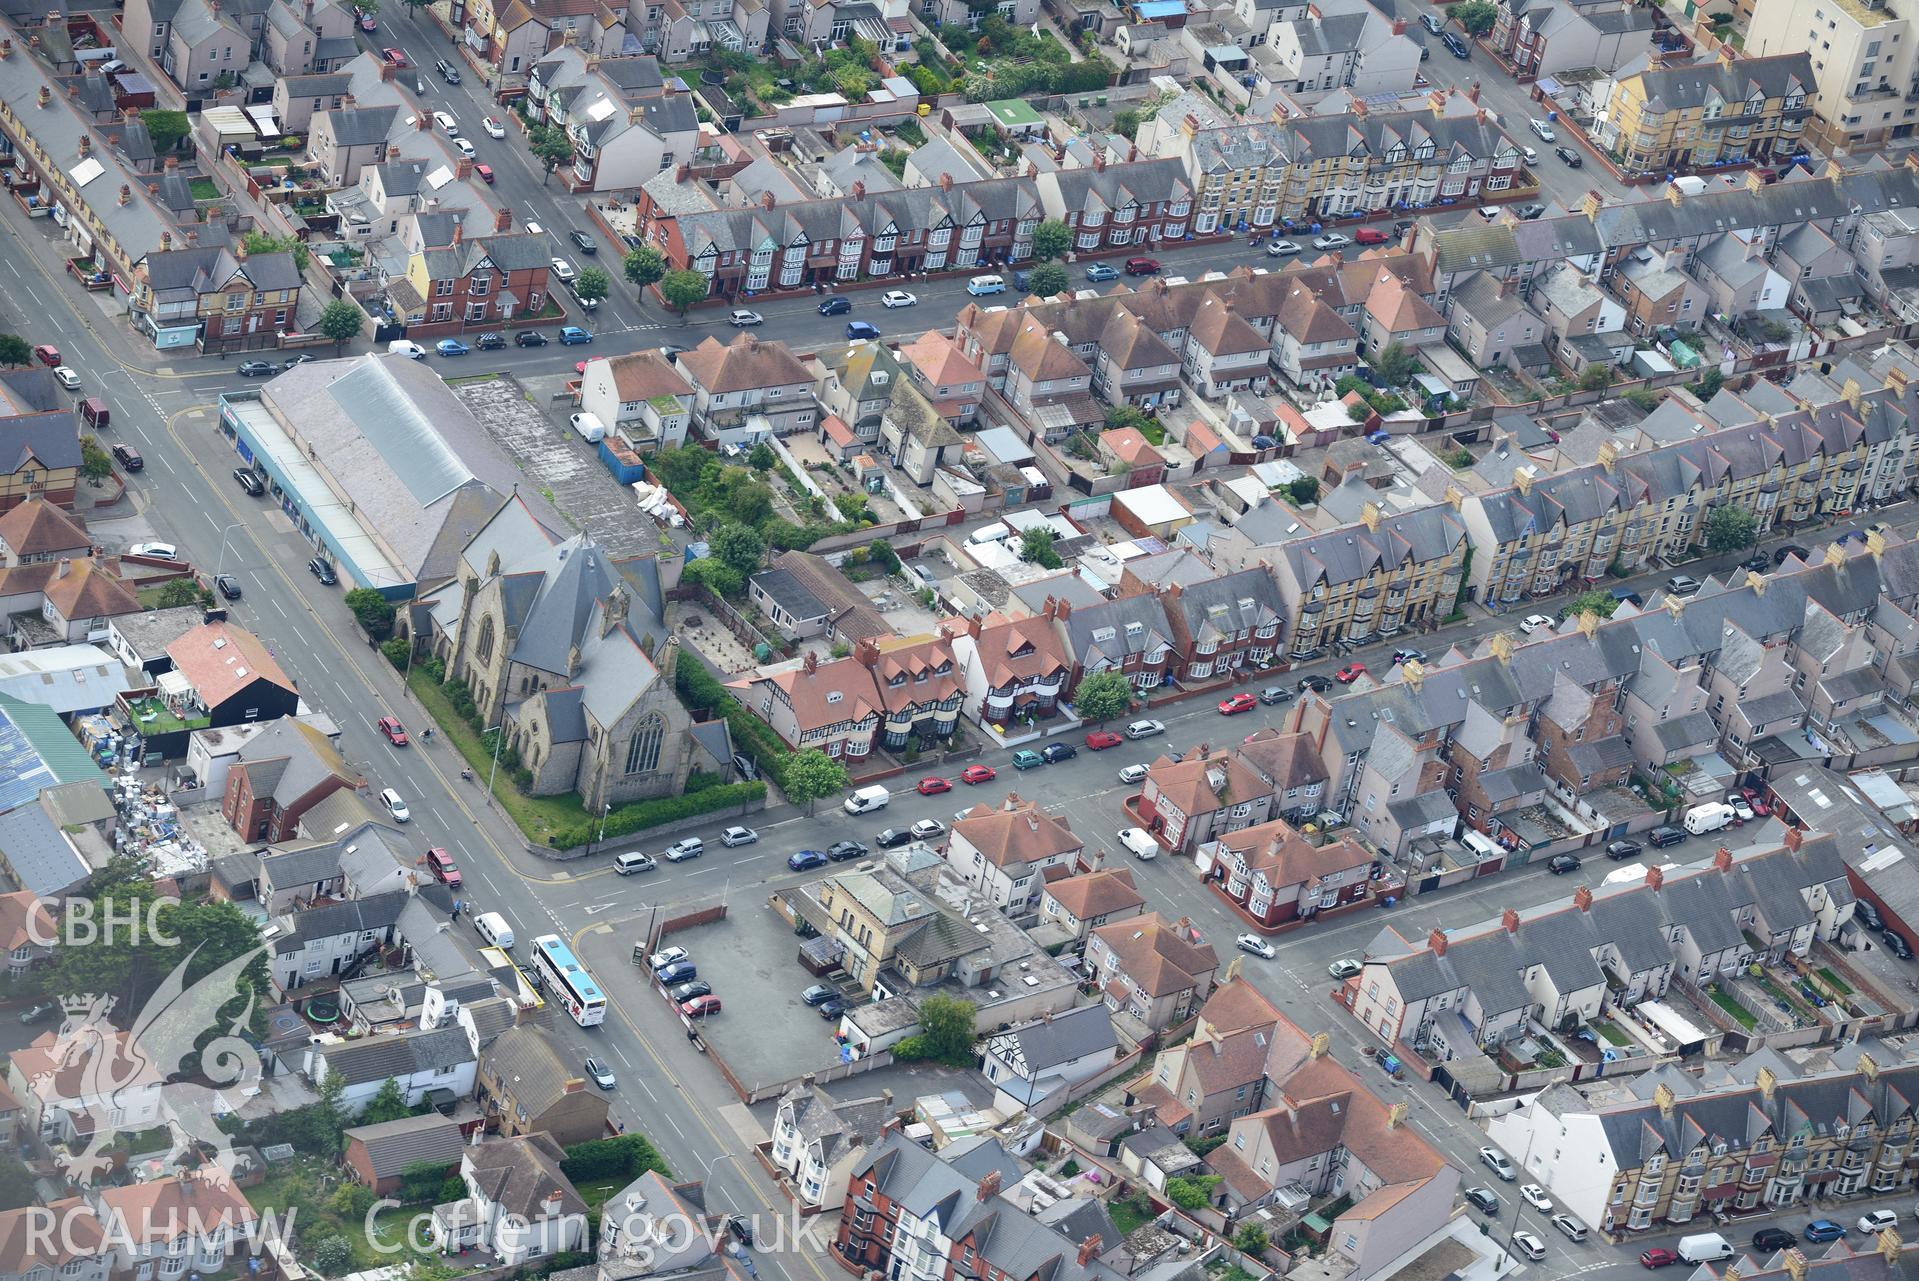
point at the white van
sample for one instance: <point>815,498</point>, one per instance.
<point>1704,1247</point>
<point>589,426</point>
<point>868,799</point>
<point>980,286</point>
<point>1709,817</point>
<point>990,534</point>
<point>406,347</point>
<point>494,929</point>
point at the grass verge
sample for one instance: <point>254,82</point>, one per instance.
<point>1735,1011</point>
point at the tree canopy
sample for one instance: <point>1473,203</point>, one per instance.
<point>1051,239</point>
<point>812,775</point>
<point>1729,528</point>
<point>1102,696</point>
<point>259,242</point>
<point>683,289</point>
<point>644,266</point>
<point>592,284</point>
<point>1476,16</point>
<point>342,322</point>
<point>1036,546</point>
<point>945,1035</point>
<point>1047,279</point>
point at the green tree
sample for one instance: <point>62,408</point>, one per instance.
<point>1596,377</point>
<point>341,322</point>
<point>551,147</point>
<point>1126,123</point>
<point>644,266</point>
<point>812,775</point>
<point>683,289</point>
<point>166,128</point>
<point>1051,239</point>
<point>1709,384</point>
<point>1036,545</point>
<point>1130,416</point>
<point>15,350</point>
<point>387,1104</point>
<point>739,546</point>
<point>762,459</point>
<point>1102,696</point>
<point>945,1035</point>
<point>1600,603</point>
<point>1394,363</point>
<point>1729,528</point>
<point>719,577</point>
<point>371,610</point>
<point>178,592</point>
<point>1476,16</point>
<point>351,1201</point>
<point>1192,1194</point>
<point>16,1184</point>
<point>1304,490</point>
<point>883,555</point>
<point>1251,1239</point>
<point>259,242</point>
<point>592,284</point>
<point>96,464</point>
<point>330,1256</point>
<point>1046,280</point>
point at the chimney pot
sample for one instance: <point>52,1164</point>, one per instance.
<point>1723,859</point>
<point>1437,942</point>
<point>1583,898</point>
<point>1655,877</point>
<point>1510,920</point>
<point>1795,838</point>
<point>503,221</point>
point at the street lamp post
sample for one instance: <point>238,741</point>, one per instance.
<point>221,563</point>
<point>606,807</point>
<point>499,736</point>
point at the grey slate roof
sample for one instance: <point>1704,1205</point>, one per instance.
<point>392,1146</point>
<point>329,920</point>
<point>380,1057</point>
<point>1034,1049</point>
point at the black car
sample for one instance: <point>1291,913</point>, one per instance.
<point>1560,864</point>
<point>1868,915</point>
<point>1455,46</point>
<point>1054,753</point>
<point>128,457</point>
<point>833,1009</point>
<point>1318,684</point>
<point>250,481</point>
<point>1273,695</point>
<point>893,836</point>
<point>1758,563</point>
<point>1483,1200</point>
<point>631,241</point>
<point>583,242</point>
<point>845,851</point>
<point>1662,836</point>
<point>837,305</point>
<point>229,586</point>
<point>740,1228</point>
<point>1790,549</point>
<point>818,994</point>
<point>1572,158</point>
<point>1896,944</point>
<point>1771,1239</point>
<point>690,991</point>
<point>1621,850</point>
<point>258,369</point>
<point>529,338</point>
<point>490,342</point>
<point>322,570</point>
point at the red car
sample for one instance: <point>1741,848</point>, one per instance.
<point>485,172</point>
<point>978,774</point>
<point>1101,739</point>
<point>1658,1257</point>
<point>934,786</point>
<point>396,57</point>
<point>1350,673</point>
<point>1756,799</point>
<point>394,731</point>
<point>443,867</point>
<point>700,1006</point>
<point>1238,703</point>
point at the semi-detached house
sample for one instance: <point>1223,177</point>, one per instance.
<point>1150,972</point>
<point>1005,851</point>
<point>747,390</point>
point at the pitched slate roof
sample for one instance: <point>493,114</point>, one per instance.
<point>400,1055</point>
<point>392,1146</point>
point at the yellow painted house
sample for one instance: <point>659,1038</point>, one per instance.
<point>1670,120</point>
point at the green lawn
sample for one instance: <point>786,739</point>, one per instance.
<point>1836,983</point>
<point>1126,1216</point>
<point>298,1186</point>
<point>1611,1032</point>
<point>151,716</point>
<point>1735,1011</point>
<point>204,189</point>
<point>595,1191</point>
<point>537,816</point>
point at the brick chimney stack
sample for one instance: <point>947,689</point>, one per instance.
<point>766,200</point>
<point>989,1185</point>
<point>1723,859</point>
<point>1510,920</point>
<point>946,182</point>
<point>463,169</point>
<point>868,652</point>
<point>388,71</point>
<point>503,221</point>
<point>1088,1250</point>
<point>1399,26</point>
<point>1583,898</point>
<point>1794,839</point>
<point>859,191</point>
<point>812,663</point>
<point>1655,877</point>
<point>1437,942</point>
<point>683,174</point>
<point>1472,94</point>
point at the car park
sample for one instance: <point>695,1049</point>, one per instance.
<point>1533,622</point>
<point>837,305</point>
<point>1482,1200</point>
<point>1237,703</point>
<point>529,338</point>
<point>1102,271</point>
<point>1274,695</point>
<point>1572,158</point>
<point>1145,728</point>
<point>1542,129</point>
<point>890,837</point>
<point>846,851</point>
<point>1256,945</point>
<point>1133,774</point>
<point>1054,753</point>
<point>743,319</point>
<point>391,729</point>
<point>806,860</point>
<point>128,457</point>
<point>933,786</point>
<point>1332,240</point>
<point>451,347</point>
<point>1350,673</point>
<point>391,801</point>
<point>1344,968</point>
<point>444,869</point>
<point>573,336</point>
<point>321,569</point>
<point>1560,864</point>
<point>978,774</point>
<point>1101,739</point>
<point>1536,1197</point>
<point>1496,1161</point>
<point>600,1073</point>
<point>735,836</point>
<point>897,298</point>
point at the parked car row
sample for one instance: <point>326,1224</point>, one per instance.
<point>679,978</point>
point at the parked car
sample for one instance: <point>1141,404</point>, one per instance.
<point>322,570</point>
<point>1256,945</point>
<point>1682,585</point>
<point>978,774</point>
<point>155,551</point>
<point>494,129</point>
<point>1344,968</point>
<point>1560,864</point>
<point>1282,249</point>
<point>1570,1227</point>
<point>1316,684</point>
<point>1133,774</point>
<point>1823,1230</point>
<point>833,1008</point>
<point>1101,739</point>
<point>897,298</point>
<point>1102,271</point>
<point>1572,158</point>
<point>1274,695</point>
<point>1533,622</point>
<point>250,481</point>
<point>733,837</point>
<point>1864,912</point>
<point>1531,211</point>
<point>1409,655</point>
<point>583,242</point>
<point>1741,807</point>
<point>837,305</point>
<point>676,973</point>
<point>1658,1257</point>
<point>1896,944</point>
<point>1139,842</point>
<point>846,851</point>
<point>1497,1162</point>
<point>1780,554</point>
<point>1455,46</point>
<point>600,1073</point>
<point>1142,266</point>
<point>451,347</point>
<point>564,270</point>
<point>394,57</point>
<point>257,369</point>
<point>666,956</point>
<point>1054,753</point>
<point>1432,22</point>
<point>39,1012</point>
<point>391,729</point>
<point>1237,703</point>
<point>806,860</point>
<point>1542,129</point>
<point>1773,1239</point>
<point>687,991</point>
<point>1026,758</point>
<point>529,338</point>
<point>743,319</point>
<point>1536,1197</point>
<point>444,869</point>
<point>1350,673</point>
<point>861,331</point>
<point>1619,851</point>
<point>1662,836</point>
<point>1482,1200</point>
<point>573,335</point>
<point>1332,240</point>
<point>391,801</point>
<point>66,377</point>
<point>129,457</point>
<point>700,1007</point>
<point>928,828</point>
<point>1370,236</point>
<point>685,848</point>
<point>818,994</point>
<point>1145,728</point>
<point>891,837</point>
<point>934,786</point>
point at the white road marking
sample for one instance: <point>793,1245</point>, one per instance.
<point>10,267</point>
<point>164,463</point>
<point>210,520</point>
<point>489,880</point>
<point>622,1053</point>
<point>276,606</point>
